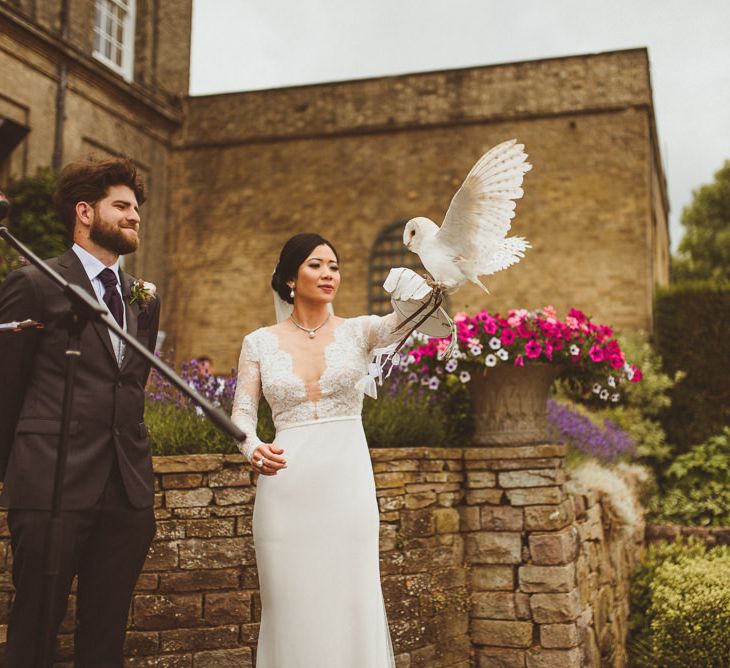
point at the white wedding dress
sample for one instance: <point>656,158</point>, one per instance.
<point>316,523</point>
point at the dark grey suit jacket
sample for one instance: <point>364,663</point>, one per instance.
<point>108,407</point>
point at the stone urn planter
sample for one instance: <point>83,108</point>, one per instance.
<point>509,403</point>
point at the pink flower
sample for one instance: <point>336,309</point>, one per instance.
<point>460,317</point>
<point>514,318</point>
<point>550,312</point>
<point>613,348</point>
<point>617,361</point>
<point>442,344</point>
<point>572,322</point>
<point>637,374</point>
<point>533,349</point>
<point>519,361</point>
<point>490,326</point>
<point>549,350</point>
<point>508,336</point>
<point>596,354</point>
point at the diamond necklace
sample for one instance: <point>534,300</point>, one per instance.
<point>309,331</point>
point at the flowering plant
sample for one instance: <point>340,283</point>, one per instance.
<point>588,354</point>
<point>142,292</point>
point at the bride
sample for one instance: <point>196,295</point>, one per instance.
<point>316,522</point>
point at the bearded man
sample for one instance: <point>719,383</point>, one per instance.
<point>107,502</point>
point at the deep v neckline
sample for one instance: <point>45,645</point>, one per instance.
<point>290,357</point>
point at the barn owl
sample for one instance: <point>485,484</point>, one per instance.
<point>472,240</point>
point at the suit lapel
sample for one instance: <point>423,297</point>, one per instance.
<point>131,311</point>
<point>73,271</point>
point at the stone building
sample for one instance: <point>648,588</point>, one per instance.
<point>232,176</point>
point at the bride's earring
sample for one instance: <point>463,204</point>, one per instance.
<point>291,294</point>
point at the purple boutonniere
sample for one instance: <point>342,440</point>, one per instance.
<point>143,293</point>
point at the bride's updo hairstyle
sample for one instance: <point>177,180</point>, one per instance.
<point>292,256</point>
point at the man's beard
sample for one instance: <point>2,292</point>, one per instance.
<point>109,236</point>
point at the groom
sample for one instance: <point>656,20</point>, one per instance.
<point>108,519</point>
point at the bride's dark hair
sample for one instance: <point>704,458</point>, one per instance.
<point>293,254</point>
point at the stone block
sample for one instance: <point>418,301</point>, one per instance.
<point>488,578</point>
<point>167,661</point>
<point>156,612</point>
<point>559,636</point>
<point>480,479</point>
<point>522,606</point>
<point>476,497</point>
<point>182,640</point>
<point>232,496</point>
<point>216,553</point>
<point>416,500</point>
<point>187,463</point>
<point>515,452</point>
<point>209,528</point>
<point>389,503</point>
<point>199,580</point>
<point>555,608</point>
<point>447,520</point>
<point>500,657</point>
<point>553,658</point>
<point>188,498</point>
<point>501,518</point>
<point>234,476</point>
<point>536,579</point>
<point>470,518</point>
<point>139,643</point>
<point>549,518</point>
<point>533,496</point>
<point>227,608</point>
<point>532,478</point>
<point>162,556</point>
<point>493,605</point>
<point>449,499</point>
<point>501,633</point>
<point>417,523</point>
<point>493,547</point>
<point>388,480</point>
<point>181,480</point>
<point>224,658</point>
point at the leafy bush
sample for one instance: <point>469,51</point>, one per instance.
<point>691,611</point>
<point>697,490</point>
<point>402,418</point>
<point>691,325</point>
<point>645,609</point>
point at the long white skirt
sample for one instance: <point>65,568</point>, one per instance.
<point>316,531</point>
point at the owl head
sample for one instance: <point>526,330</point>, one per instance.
<point>416,231</point>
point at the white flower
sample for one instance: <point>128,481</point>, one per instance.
<point>495,343</point>
<point>451,365</point>
<point>490,360</point>
<point>502,354</point>
<point>615,397</point>
<point>424,381</point>
<point>604,394</point>
<point>149,287</point>
<point>434,383</point>
<point>574,350</point>
<point>464,376</point>
<point>596,388</point>
<point>629,372</point>
<point>611,381</point>
<point>475,350</point>
<point>412,377</point>
<point>411,359</point>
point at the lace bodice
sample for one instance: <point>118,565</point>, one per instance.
<point>266,364</point>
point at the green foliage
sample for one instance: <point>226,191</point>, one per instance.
<point>33,219</point>
<point>641,646</point>
<point>690,611</point>
<point>697,490</point>
<point>404,418</point>
<point>704,252</point>
<point>692,321</point>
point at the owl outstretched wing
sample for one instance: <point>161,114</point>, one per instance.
<point>480,214</point>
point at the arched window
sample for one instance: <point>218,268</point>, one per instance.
<point>388,251</point>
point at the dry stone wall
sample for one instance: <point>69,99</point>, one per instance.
<point>486,561</point>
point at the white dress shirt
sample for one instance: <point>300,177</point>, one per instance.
<point>93,267</point>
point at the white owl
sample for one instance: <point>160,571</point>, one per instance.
<point>472,240</point>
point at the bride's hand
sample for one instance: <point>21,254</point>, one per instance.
<point>272,458</point>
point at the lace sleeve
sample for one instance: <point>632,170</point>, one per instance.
<point>246,399</point>
<point>380,331</point>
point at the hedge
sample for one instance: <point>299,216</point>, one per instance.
<point>692,321</point>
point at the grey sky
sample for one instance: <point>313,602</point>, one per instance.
<point>254,44</point>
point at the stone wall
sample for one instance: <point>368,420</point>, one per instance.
<point>485,561</point>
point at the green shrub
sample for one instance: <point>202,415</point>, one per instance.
<point>690,611</point>
<point>404,418</point>
<point>641,647</point>
<point>697,486</point>
<point>692,321</point>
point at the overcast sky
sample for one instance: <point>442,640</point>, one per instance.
<point>254,44</point>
